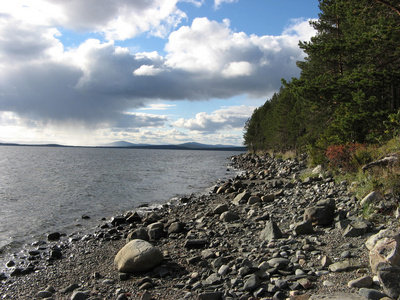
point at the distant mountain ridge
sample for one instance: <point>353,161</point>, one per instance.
<point>187,146</point>
<point>124,144</point>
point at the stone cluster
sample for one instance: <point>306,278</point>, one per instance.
<point>272,232</point>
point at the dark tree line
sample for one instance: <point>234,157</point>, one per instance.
<point>349,87</point>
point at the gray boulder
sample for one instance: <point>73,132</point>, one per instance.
<point>363,282</point>
<point>371,294</point>
<point>155,231</point>
<point>176,227</point>
<point>355,229</point>
<point>322,213</point>
<point>254,200</point>
<point>137,256</point>
<point>229,216</point>
<point>271,231</point>
<point>220,209</point>
<point>140,234</point>
<point>389,280</point>
<point>268,198</point>
<point>304,227</point>
<point>252,283</point>
<point>134,218</point>
<point>78,295</point>
<point>241,198</point>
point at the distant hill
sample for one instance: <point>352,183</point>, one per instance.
<point>193,145</point>
<point>184,146</point>
<point>33,145</point>
<point>124,144</point>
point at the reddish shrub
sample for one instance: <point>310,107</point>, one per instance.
<point>340,156</point>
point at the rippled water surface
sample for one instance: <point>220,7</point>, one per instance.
<point>47,189</point>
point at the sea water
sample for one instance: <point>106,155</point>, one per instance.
<point>49,189</point>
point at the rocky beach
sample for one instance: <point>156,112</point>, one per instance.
<point>278,230</point>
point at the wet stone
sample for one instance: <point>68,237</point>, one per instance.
<point>10,264</point>
<point>54,236</point>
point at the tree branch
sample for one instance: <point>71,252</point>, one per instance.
<point>397,10</point>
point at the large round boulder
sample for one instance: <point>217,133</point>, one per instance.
<point>137,256</point>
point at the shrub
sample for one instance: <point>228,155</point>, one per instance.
<point>348,157</point>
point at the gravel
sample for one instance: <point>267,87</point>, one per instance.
<point>207,256</point>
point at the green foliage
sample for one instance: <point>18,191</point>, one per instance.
<point>392,125</point>
<point>316,155</point>
<point>368,211</point>
<point>361,157</point>
<point>275,125</point>
<point>349,87</point>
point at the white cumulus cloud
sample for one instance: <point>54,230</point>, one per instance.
<point>146,70</point>
<point>117,19</point>
<point>222,119</point>
<point>240,68</point>
<point>96,83</point>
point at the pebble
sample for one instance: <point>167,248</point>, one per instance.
<point>362,282</point>
<point>371,294</point>
<point>79,296</point>
<point>252,283</point>
<point>345,254</point>
<point>210,296</point>
<point>122,297</point>
<point>328,283</point>
<point>70,288</point>
<point>239,244</point>
<point>44,294</point>
<point>146,296</point>
<point>305,283</point>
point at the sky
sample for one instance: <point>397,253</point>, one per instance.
<point>93,72</point>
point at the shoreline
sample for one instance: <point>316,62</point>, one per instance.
<point>232,256</point>
<point>81,219</point>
